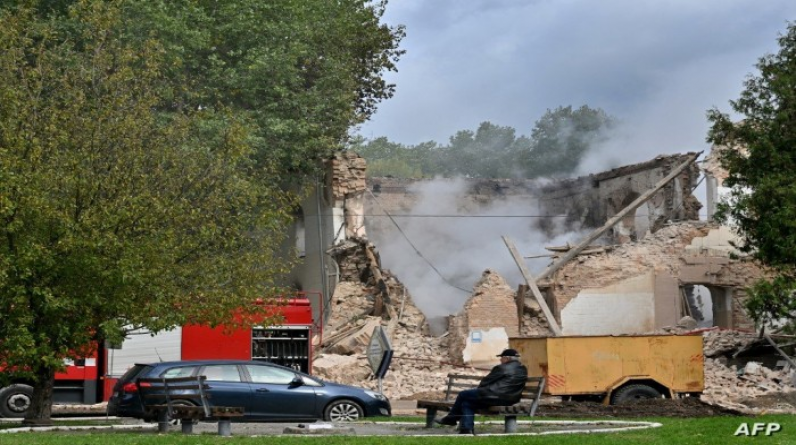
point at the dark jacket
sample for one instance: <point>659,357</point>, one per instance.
<point>503,385</point>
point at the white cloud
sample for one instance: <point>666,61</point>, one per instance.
<point>659,65</point>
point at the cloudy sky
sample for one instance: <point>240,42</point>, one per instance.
<point>656,65</point>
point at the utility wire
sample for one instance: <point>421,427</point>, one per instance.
<point>417,251</point>
<point>462,216</point>
<point>420,254</point>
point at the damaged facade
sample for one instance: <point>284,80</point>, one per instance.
<point>644,286</point>
<point>643,280</point>
<point>585,202</point>
<point>331,213</point>
<point>657,267</point>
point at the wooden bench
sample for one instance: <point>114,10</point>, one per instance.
<point>456,383</point>
<point>184,399</point>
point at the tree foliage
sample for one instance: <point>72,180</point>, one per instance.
<point>303,72</point>
<point>557,145</point>
<point>143,150</point>
<point>562,137</point>
<point>760,157</point>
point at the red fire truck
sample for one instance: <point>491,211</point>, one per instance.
<point>90,380</point>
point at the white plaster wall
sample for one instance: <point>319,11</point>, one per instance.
<point>355,215</point>
<point>627,307</point>
<point>338,223</point>
<point>483,345</point>
<point>142,347</point>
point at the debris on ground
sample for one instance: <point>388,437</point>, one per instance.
<point>368,296</point>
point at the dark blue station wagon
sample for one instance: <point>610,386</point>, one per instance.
<point>267,392</point>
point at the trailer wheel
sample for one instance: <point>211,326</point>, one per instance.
<point>636,391</point>
<point>15,400</point>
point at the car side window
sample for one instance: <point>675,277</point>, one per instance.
<point>270,374</point>
<point>222,373</point>
<point>182,371</point>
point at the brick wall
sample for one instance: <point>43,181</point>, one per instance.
<point>493,305</point>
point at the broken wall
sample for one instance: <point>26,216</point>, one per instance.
<point>586,202</point>
<point>483,327</point>
<point>331,211</point>
<point>638,287</point>
<point>347,187</point>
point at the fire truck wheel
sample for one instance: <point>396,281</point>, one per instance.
<point>633,392</point>
<point>342,411</point>
<point>15,400</point>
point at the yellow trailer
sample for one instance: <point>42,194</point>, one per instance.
<point>615,368</point>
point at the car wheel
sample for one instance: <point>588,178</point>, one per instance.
<point>634,392</point>
<point>173,421</point>
<point>342,411</point>
<point>15,400</point>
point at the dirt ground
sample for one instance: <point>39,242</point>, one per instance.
<point>780,400</point>
<point>553,408</point>
<point>687,407</point>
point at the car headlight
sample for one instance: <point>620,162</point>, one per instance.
<point>376,395</point>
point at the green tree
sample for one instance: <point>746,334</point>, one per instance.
<point>144,149</point>
<point>557,145</point>
<point>111,212</point>
<point>760,156</point>
<point>485,153</point>
<point>561,137</point>
<point>384,158</point>
<point>387,158</point>
<point>302,71</point>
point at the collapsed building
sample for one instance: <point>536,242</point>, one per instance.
<point>657,269</point>
<point>586,202</point>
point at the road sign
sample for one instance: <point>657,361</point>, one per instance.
<point>379,352</point>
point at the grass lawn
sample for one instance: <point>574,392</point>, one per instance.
<point>708,431</point>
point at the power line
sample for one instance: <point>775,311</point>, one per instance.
<point>417,251</point>
<point>470,216</point>
<point>406,215</point>
<point>420,254</point>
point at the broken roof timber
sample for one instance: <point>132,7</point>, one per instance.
<point>616,218</point>
<point>532,284</point>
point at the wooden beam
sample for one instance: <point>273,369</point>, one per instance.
<point>616,218</point>
<point>532,284</point>
<point>781,352</point>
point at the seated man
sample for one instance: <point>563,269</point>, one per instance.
<point>502,386</point>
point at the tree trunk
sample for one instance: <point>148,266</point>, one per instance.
<point>41,406</point>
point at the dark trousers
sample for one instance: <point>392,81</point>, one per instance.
<point>464,408</point>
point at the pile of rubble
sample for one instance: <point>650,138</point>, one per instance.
<point>735,387</point>
<point>421,361</point>
<point>369,296</point>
